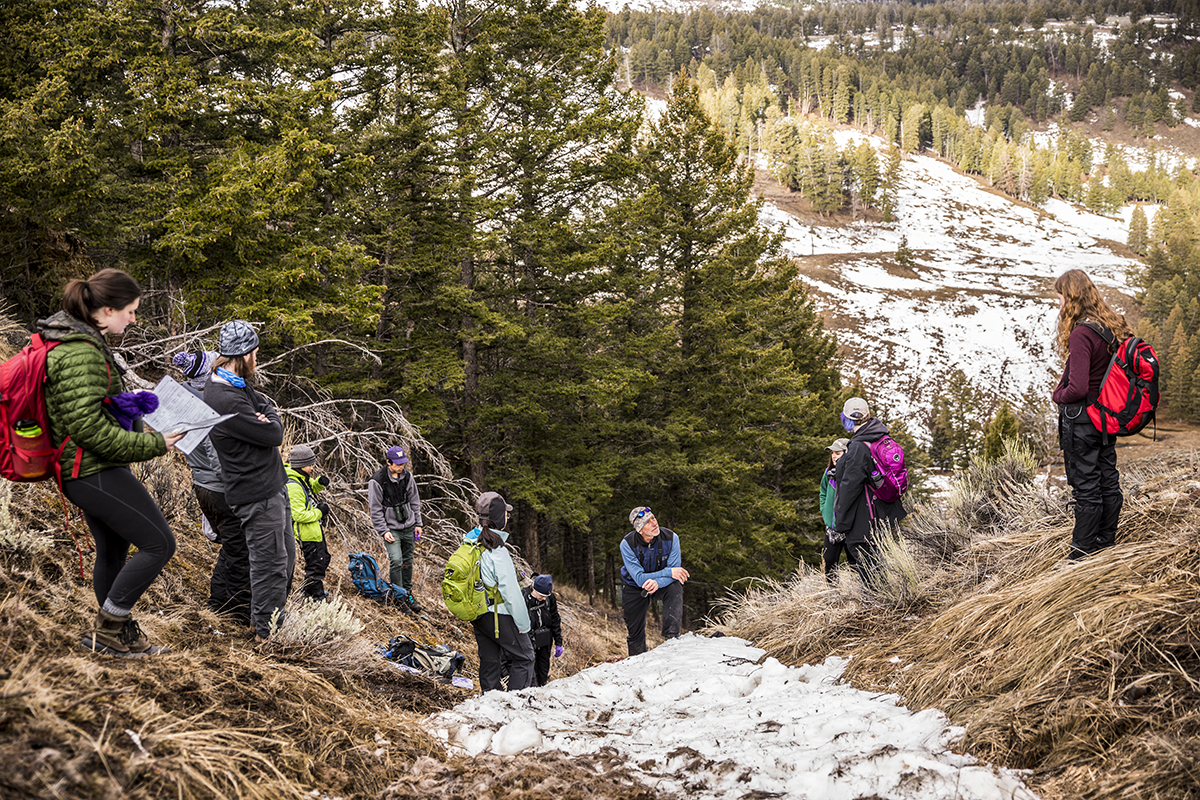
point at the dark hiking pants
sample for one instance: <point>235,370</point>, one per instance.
<point>512,649</point>
<point>316,563</point>
<point>1091,467</point>
<point>832,553</point>
<point>229,587</point>
<point>635,605</point>
<point>268,527</point>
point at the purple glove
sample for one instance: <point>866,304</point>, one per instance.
<point>128,406</point>
<point>416,535</point>
<point>557,651</point>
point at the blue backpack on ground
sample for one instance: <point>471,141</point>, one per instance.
<point>365,574</point>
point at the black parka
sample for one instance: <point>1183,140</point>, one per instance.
<point>851,513</point>
<point>247,447</point>
<point>543,614</point>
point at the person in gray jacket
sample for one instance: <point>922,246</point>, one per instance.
<point>395,508</point>
<point>229,586</point>
<point>248,449</point>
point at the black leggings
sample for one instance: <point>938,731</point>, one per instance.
<point>120,512</point>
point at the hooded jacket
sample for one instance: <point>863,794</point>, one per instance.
<point>80,373</point>
<point>851,509</point>
<point>497,571</point>
<point>393,503</point>
<point>302,496</point>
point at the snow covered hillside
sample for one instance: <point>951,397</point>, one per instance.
<point>713,718</point>
<point>980,297</point>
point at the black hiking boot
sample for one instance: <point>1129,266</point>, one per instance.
<point>412,605</point>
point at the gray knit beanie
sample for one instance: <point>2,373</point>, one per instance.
<point>301,456</point>
<point>237,338</point>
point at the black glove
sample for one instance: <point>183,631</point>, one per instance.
<point>324,481</point>
<point>323,507</point>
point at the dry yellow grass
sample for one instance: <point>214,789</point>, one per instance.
<point>1086,673</point>
<point>220,717</point>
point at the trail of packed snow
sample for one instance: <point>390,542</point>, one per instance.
<point>713,718</point>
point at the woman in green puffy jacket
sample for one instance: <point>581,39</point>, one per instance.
<point>81,373</point>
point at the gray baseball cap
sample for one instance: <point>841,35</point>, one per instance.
<point>494,507</point>
<point>856,409</point>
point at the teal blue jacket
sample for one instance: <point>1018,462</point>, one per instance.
<point>828,492</point>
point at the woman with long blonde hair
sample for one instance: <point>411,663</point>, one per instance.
<point>1090,457</point>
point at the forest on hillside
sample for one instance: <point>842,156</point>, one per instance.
<point>578,308</point>
<point>578,312</point>
<point>1048,79</point>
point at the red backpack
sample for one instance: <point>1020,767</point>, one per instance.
<point>1129,393</point>
<point>26,452</point>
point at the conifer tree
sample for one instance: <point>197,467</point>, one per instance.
<point>941,435</point>
<point>547,149</point>
<point>715,417</point>
<point>841,97</point>
<point>866,173</point>
<point>1001,428</point>
<point>889,184</point>
<point>904,256</point>
<point>1178,371</point>
<point>1137,230</point>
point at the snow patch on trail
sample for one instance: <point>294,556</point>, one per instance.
<point>713,718</point>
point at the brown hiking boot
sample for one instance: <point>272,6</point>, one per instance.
<point>108,637</point>
<point>136,640</point>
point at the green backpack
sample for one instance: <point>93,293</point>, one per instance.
<point>462,589</point>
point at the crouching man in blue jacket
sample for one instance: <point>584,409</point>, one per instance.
<point>652,567</point>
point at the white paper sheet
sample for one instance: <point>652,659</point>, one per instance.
<point>179,410</point>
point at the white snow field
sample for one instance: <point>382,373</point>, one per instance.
<point>714,718</point>
<point>980,297</point>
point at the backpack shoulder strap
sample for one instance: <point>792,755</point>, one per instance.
<point>308,495</point>
<point>1100,329</point>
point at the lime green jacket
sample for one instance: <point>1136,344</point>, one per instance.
<point>80,373</point>
<point>302,495</point>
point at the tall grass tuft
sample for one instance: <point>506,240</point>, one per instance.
<point>16,539</point>
<point>314,626</point>
<point>992,494</point>
<point>901,580</point>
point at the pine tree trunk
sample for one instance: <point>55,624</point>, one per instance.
<point>529,532</point>
<point>610,580</point>
<point>590,546</point>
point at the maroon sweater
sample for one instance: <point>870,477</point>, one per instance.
<point>1087,361</point>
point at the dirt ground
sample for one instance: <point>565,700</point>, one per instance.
<point>1169,435</point>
